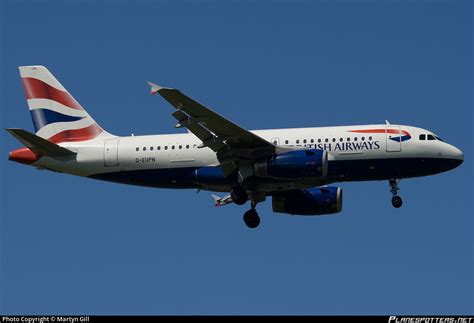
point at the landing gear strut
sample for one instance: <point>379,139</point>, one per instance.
<point>239,195</point>
<point>396,200</point>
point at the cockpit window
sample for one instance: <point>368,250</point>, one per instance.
<point>423,137</point>
<point>431,137</point>
<point>439,138</point>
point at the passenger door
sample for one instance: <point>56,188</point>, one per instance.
<point>394,138</point>
<point>111,152</point>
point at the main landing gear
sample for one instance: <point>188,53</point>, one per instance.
<point>239,196</point>
<point>251,218</point>
<point>396,200</point>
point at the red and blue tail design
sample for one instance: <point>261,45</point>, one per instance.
<point>56,115</point>
<point>404,135</point>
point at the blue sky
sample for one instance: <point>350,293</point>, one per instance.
<point>73,245</point>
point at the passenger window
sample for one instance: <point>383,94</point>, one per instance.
<point>355,138</point>
<point>137,149</point>
<point>340,139</point>
<point>304,141</point>
<point>431,137</point>
<point>144,148</point>
<point>363,138</point>
<point>326,140</point>
<point>423,137</point>
<point>333,139</point>
<point>151,148</point>
<point>319,140</point>
<point>312,141</point>
<point>172,147</point>
<point>187,146</point>
<point>297,141</point>
<point>286,142</point>
<point>166,147</point>
<point>348,139</point>
<point>180,147</point>
<point>194,146</point>
<point>158,148</point>
<point>370,138</point>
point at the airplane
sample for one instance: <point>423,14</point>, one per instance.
<point>294,167</point>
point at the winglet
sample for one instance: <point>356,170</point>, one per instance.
<point>154,88</point>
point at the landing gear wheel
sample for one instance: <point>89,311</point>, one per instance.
<point>397,201</point>
<point>239,195</point>
<point>251,219</point>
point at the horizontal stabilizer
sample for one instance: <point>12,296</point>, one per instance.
<point>38,144</point>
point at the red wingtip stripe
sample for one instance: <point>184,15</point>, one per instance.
<point>37,89</point>
<point>83,134</point>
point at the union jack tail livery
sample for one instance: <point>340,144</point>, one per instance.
<point>56,115</point>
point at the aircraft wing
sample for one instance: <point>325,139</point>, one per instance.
<point>232,143</point>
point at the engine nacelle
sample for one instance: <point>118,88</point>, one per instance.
<point>313,201</point>
<point>294,164</point>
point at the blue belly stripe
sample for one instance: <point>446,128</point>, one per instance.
<point>338,171</point>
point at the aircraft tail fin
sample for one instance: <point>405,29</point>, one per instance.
<point>56,115</point>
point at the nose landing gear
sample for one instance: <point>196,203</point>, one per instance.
<point>396,200</point>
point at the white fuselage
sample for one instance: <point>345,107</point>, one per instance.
<point>111,154</point>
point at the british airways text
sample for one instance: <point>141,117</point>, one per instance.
<point>347,146</point>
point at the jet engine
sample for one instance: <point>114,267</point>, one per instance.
<point>305,163</point>
<point>313,201</point>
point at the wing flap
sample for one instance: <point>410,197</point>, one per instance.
<point>205,123</point>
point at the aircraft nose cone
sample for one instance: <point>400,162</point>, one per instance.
<point>457,156</point>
